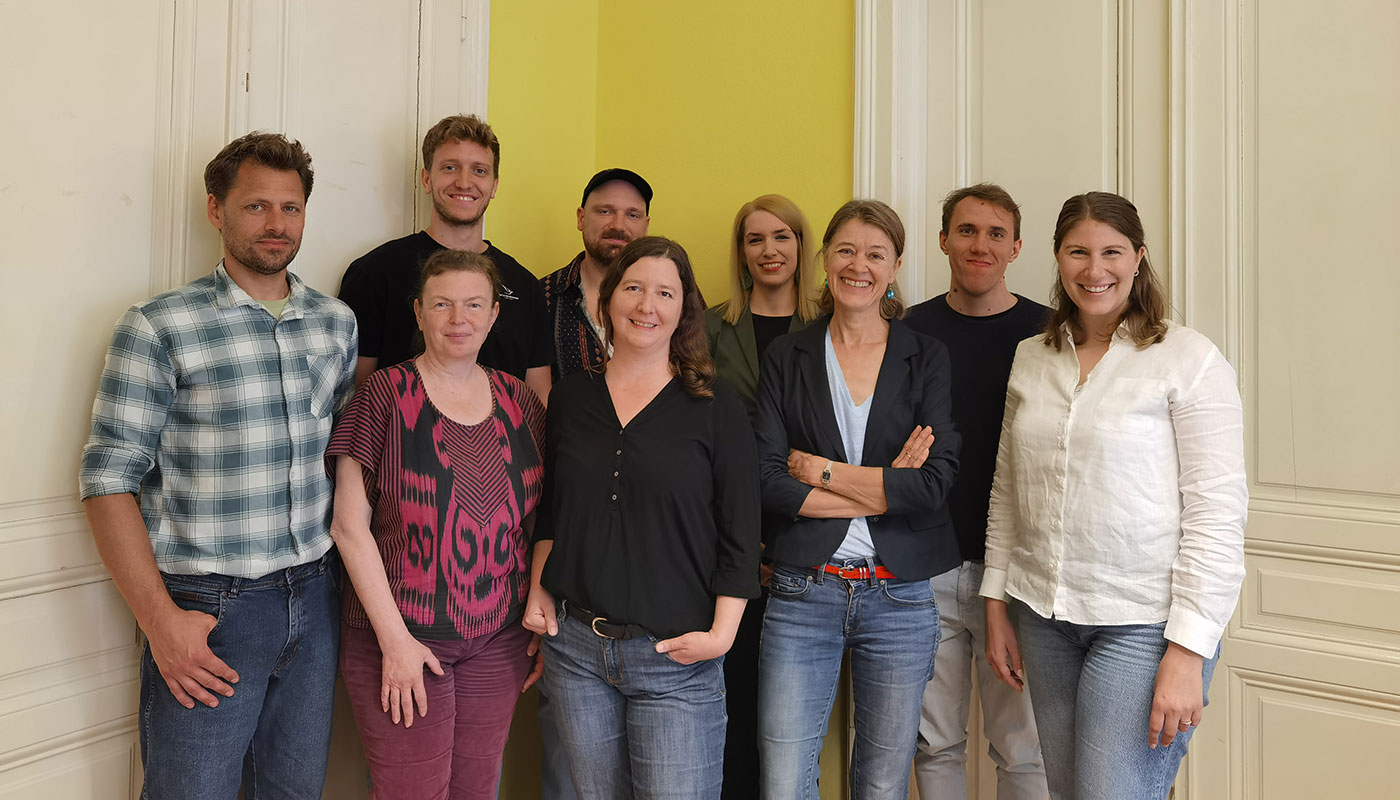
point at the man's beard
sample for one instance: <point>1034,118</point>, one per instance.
<point>604,252</point>
<point>248,255</point>
<point>446,215</point>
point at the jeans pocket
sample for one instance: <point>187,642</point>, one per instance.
<point>912,594</point>
<point>785,583</point>
<point>192,596</point>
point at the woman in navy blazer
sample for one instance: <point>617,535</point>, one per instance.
<point>857,452</point>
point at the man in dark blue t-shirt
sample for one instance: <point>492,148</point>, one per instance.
<point>981,322</point>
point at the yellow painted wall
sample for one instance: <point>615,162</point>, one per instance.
<point>713,103</point>
<point>542,103</point>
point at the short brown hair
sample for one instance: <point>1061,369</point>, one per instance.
<point>272,150</point>
<point>444,261</point>
<point>871,212</point>
<point>988,192</point>
<point>462,128</point>
<point>741,282</point>
<point>690,352</point>
<point>1147,304</point>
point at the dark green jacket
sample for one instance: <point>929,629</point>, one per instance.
<point>736,353</point>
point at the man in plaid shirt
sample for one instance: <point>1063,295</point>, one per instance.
<point>204,484</point>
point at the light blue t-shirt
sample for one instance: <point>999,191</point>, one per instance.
<point>851,419</point>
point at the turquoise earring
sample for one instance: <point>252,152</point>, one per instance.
<point>889,293</point>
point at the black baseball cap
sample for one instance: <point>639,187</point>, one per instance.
<point>618,174</point>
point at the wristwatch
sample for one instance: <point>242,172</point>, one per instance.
<point>826,475</point>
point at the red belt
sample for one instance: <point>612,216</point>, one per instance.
<point>858,573</point>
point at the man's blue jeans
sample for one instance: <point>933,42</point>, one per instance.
<point>1091,689</point>
<point>281,634</point>
<point>891,629</point>
<point>635,722</point>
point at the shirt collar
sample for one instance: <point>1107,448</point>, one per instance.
<point>228,294</point>
<point>572,282</point>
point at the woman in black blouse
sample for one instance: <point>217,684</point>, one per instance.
<point>857,452</point>
<point>647,541</point>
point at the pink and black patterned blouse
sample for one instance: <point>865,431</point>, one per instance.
<point>448,501</point>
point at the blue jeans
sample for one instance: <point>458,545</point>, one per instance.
<point>281,634</point>
<point>891,629</point>
<point>1091,689</point>
<point>556,782</point>
<point>635,722</point>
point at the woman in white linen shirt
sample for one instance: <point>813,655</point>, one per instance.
<point>1116,527</point>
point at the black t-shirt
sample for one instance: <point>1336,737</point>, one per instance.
<point>981,350</point>
<point>766,329</point>
<point>379,285</point>
<point>652,521</point>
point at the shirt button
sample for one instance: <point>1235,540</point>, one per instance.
<point>614,474</point>
<point>619,452</point>
<point>614,497</point>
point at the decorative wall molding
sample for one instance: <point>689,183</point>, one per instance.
<point>174,134</point>
<point>890,161</point>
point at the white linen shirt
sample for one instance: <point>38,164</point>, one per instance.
<point>1122,501</point>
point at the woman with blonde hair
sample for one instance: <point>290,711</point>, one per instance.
<point>857,453</point>
<point>1115,536</point>
<point>770,295</point>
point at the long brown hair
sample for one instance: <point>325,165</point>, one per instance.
<point>871,212</point>
<point>1147,304</point>
<point>690,354</point>
<point>741,282</point>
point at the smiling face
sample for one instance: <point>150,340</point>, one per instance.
<point>261,218</point>
<point>461,182</point>
<point>612,215</point>
<point>770,249</point>
<point>455,312</point>
<point>1097,264</point>
<point>980,243</point>
<point>646,306</point>
<point>861,265</point>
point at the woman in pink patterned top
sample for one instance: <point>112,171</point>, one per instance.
<point>438,474</point>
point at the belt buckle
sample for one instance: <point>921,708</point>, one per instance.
<point>855,573</point>
<point>594,626</point>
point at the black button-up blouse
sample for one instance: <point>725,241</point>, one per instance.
<point>650,521</point>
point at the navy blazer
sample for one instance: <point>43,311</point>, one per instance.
<point>914,537</point>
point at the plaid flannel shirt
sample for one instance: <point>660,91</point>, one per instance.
<point>218,416</point>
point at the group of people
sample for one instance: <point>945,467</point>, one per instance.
<point>678,520</point>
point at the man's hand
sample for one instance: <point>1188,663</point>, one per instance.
<point>180,646</point>
<point>689,648</point>
<point>915,450</point>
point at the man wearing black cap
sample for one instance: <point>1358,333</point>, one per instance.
<point>615,210</point>
<point>461,165</point>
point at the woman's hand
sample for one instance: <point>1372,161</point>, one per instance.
<point>1003,654</point>
<point>533,649</point>
<point>539,611</point>
<point>806,467</point>
<point>1177,696</point>
<point>401,686</point>
<point>915,449</point>
<point>689,648</point>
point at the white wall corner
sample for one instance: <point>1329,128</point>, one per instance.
<point>890,162</point>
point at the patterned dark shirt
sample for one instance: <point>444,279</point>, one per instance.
<point>448,501</point>
<point>576,346</point>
